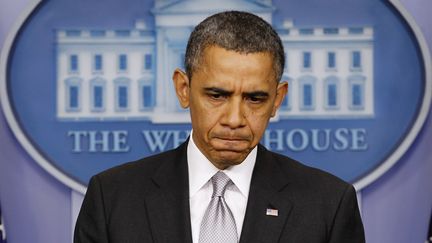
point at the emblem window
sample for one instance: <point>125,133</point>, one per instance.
<point>146,96</point>
<point>122,94</point>
<point>122,63</point>
<point>307,94</point>
<point>357,92</point>
<point>356,60</point>
<point>98,63</point>
<point>148,62</point>
<point>331,60</point>
<point>307,60</point>
<point>73,94</point>
<point>331,93</point>
<point>73,63</point>
<point>97,87</point>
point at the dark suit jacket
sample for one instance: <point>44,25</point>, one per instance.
<point>148,201</point>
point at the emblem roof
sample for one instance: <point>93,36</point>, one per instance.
<point>211,6</point>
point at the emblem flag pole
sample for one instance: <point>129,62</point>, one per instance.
<point>429,237</point>
<point>2,228</point>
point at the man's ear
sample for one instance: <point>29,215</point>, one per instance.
<point>281,91</point>
<point>181,85</point>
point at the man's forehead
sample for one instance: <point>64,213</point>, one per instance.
<point>235,86</point>
<point>216,54</point>
<point>222,68</point>
<point>215,47</point>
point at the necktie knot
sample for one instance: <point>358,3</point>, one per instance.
<point>220,182</point>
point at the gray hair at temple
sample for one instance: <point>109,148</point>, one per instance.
<point>235,31</point>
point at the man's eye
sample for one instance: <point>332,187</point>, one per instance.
<point>216,96</point>
<point>255,99</point>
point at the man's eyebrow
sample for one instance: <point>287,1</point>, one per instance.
<point>256,94</point>
<point>224,92</point>
<point>218,91</point>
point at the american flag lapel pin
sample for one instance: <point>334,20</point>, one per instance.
<point>272,212</point>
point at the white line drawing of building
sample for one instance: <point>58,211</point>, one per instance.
<point>329,71</point>
<point>125,74</point>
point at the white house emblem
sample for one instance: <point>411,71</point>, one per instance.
<point>83,93</point>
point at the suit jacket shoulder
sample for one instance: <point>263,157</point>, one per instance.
<point>312,205</point>
<point>140,201</point>
<point>308,179</point>
<point>136,172</point>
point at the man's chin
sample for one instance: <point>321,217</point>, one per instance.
<point>230,158</point>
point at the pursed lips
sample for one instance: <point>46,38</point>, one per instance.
<point>232,143</point>
<point>232,138</point>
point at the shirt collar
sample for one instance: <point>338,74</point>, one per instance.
<point>201,170</point>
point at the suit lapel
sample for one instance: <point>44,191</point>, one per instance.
<point>168,204</point>
<point>267,183</point>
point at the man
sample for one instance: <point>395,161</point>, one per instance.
<point>221,185</point>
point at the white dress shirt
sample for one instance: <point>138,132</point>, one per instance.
<point>201,188</point>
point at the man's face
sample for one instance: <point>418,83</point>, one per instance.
<point>231,98</point>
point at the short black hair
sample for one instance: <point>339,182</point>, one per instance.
<point>238,31</point>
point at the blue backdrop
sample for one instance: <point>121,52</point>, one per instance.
<point>37,207</point>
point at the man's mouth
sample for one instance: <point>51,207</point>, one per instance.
<point>233,144</point>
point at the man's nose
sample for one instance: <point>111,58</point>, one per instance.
<point>234,116</point>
